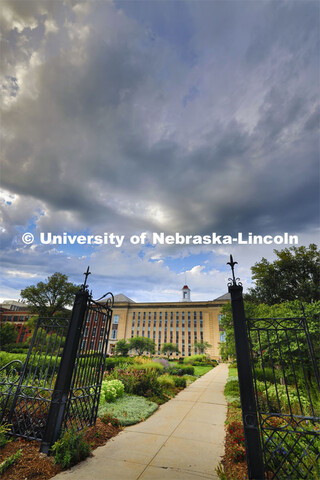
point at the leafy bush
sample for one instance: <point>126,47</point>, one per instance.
<point>111,390</point>
<point>148,366</point>
<point>10,461</point>
<point>15,347</point>
<point>266,374</point>
<point>300,405</point>
<point>118,385</point>
<point>113,362</point>
<point>166,381</point>
<point>128,409</point>
<point>70,449</point>
<point>180,382</point>
<point>195,358</point>
<point>138,381</point>
<point>181,370</point>
<point>46,363</point>
<point>163,361</point>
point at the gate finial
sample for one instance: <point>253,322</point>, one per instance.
<point>233,280</point>
<point>86,275</point>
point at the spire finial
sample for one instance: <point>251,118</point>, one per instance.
<point>233,280</point>
<point>86,275</point>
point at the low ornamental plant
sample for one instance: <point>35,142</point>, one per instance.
<point>237,450</point>
<point>70,449</point>
<point>108,419</point>
<point>10,461</point>
<point>4,429</point>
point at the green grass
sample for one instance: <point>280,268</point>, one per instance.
<point>233,372</point>
<point>231,389</point>
<point>199,371</point>
<point>129,409</point>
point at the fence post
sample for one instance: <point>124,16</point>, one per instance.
<point>248,404</point>
<point>62,386</point>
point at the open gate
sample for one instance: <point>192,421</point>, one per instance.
<point>279,392</point>
<point>59,385</point>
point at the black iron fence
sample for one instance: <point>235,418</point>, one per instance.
<point>279,392</point>
<point>59,384</point>
<point>286,381</point>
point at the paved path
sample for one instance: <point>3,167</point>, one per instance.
<point>183,440</point>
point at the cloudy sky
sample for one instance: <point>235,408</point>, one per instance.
<point>166,116</point>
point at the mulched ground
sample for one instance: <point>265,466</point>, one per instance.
<point>33,465</point>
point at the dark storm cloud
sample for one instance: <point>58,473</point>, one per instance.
<point>98,130</point>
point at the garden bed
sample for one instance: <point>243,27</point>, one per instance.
<point>35,465</point>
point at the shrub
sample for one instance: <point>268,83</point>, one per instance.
<point>180,382</point>
<point>70,449</point>
<point>138,381</point>
<point>266,374</point>
<point>148,366</point>
<point>113,362</point>
<point>118,385</point>
<point>111,389</point>
<point>45,362</point>
<point>166,381</point>
<point>109,392</point>
<point>181,370</point>
<point>202,359</point>
<point>163,361</point>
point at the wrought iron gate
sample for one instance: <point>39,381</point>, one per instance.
<point>60,382</point>
<point>279,390</point>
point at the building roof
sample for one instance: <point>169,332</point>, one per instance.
<point>226,296</point>
<point>120,298</point>
<point>185,288</point>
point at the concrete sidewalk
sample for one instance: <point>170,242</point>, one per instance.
<point>183,440</point>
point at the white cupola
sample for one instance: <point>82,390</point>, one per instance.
<point>186,294</point>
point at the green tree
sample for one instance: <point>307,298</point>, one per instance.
<point>281,310</point>
<point>122,347</point>
<point>8,334</point>
<point>202,347</point>
<point>169,348</point>
<point>294,275</point>
<point>50,297</point>
<point>142,344</point>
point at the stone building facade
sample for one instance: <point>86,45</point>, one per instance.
<point>181,323</point>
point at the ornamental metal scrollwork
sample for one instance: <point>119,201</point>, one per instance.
<point>233,282</point>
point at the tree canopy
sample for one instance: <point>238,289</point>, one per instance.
<point>294,275</point>
<point>50,297</point>
<point>8,334</point>
<point>142,344</point>
<point>122,347</point>
<point>169,348</point>
<point>282,310</point>
<point>202,347</point>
